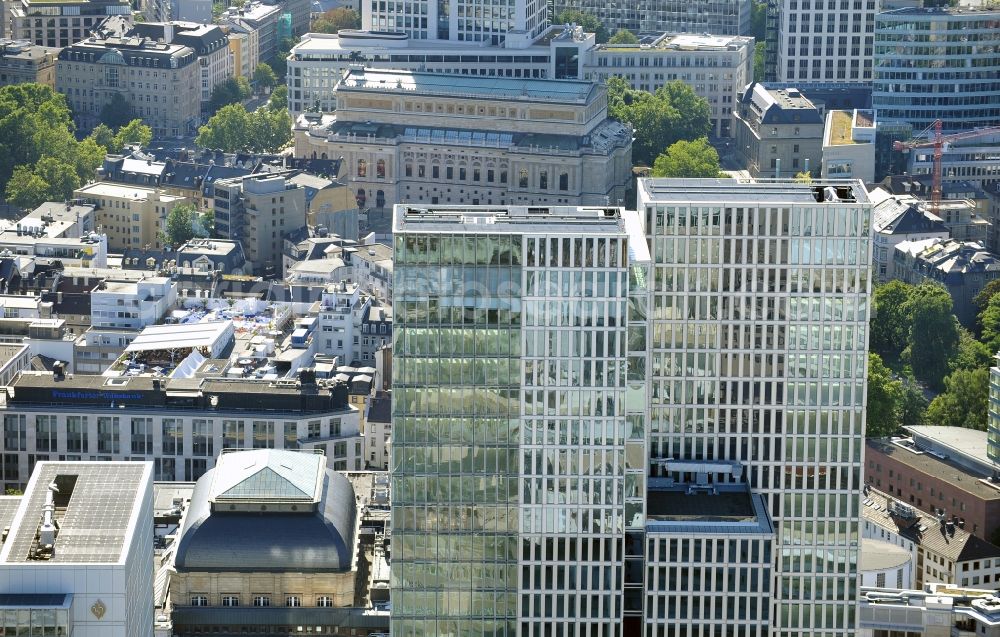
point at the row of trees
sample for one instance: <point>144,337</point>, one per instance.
<point>40,158</point>
<point>235,129</point>
<point>334,20</point>
<point>916,337</point>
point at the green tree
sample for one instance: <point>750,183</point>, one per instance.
<point>759,49</point>
<point>50,179</point>
<point>207,222</point>
<point>912,405</point>
<point>674,112</point>
<point>989,320</point>
<point>228,130</point>
<point>34,122</point>
<point>623,36</point>
<point>117,112</point>
<point>890,322</point>
<point>233,91</point>
<point>963,403</point>
<point>88,157</point>
<point>270,131</point>
<point>234,129</point>
<point>804,177</point>
<point>180,224</point>
<point>104,136</point>
<point>933,336</point>
<point>278,99</point>
<point>135,132</point>
<point>688,159</point>
<point>589,22</point>
<point>988,292</point>
<point>264,76</point>
<point>334,20</point>
<point>758,21</point>
<point>971,353</point>
<point>885,394</point>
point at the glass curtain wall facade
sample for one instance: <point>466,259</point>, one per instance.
<point>511,372</point>
<point>758,343</point>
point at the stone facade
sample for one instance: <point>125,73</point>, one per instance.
<point>535,147</point>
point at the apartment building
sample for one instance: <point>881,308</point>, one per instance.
<point>750,385</point>
<point>896,219</point>
<point>964,268</point>
<point>259,211</point>
<point>61,23</point>
<point>132,216</point>
<point>131,305</point>
<point>779,132</point>
<point>465,140</point>
<point>516,364</point>
<point>179,424</point>
<point>929,65</point>
<point>161,82</point>
<point>21,61</point>
<point>718,17</point>
<point>209,42</point>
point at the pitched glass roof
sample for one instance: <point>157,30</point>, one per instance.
<point>267,474</point>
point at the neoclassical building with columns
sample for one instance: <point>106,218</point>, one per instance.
<point>412,137</point>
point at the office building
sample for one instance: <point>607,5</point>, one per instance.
<point>936,63</point>
<point>936,610</point>
<point>727,17</point>
<point>60,24</point>
<point>21,61</point>
<point>759,317</point>
<point>427,20</point>
<point>453,139</point>
<point>883,564</point>
<point>260,22</point>
<point>161,82</point>
<point>964,268</point>
<point>145,418</point>
<point>779,132</point>
<point>518,415</point>
<point>941,550</point>
<point>78,558</point>
<point>271,539</point>
<point>259,211</point>
<point>939,470</point>
<point>131,304</point>
<point>715,67</point>
<point>816,41</point>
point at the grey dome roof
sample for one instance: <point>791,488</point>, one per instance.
<point>319,539</point>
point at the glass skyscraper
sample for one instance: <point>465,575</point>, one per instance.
<point>759,341</point>
<point>518,419</point>
<point>612,423</point>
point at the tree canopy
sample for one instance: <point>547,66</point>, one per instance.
<point>964,401</point>
<point>233,91</point>
<point>934,337</point>
<point>35,125</point>
<point>180,224</point>
<point>589,22</point>
<point>264,76</point>
<point>885,395</point>
<point>278,99</point>
<point>234,129</point>
<point>688,159</point>
<point>674,112</point>
<point>623,36</point>
<point>890,323</point>
<point>117,112</point>
<point>334,20</point>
